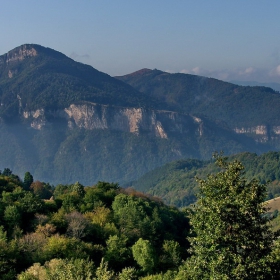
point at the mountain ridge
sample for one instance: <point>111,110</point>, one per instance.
<point>63,120</point>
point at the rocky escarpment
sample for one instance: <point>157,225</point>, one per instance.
<point>261,133</point>
<point>134,120</point>
<point>157,123</point>
<point>18,54</point>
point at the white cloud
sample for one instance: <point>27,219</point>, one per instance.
<point>197,71</point>
<point>185,71</point>
<point>79,57</point>
<point>249,70</point>
<point>275,72</point>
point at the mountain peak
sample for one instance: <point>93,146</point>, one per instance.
<point>18,54</point>
<point>28,51</point>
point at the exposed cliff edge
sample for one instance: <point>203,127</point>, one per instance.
<point>134,120</point>
<point>261,133</point>
<point>156,123</point>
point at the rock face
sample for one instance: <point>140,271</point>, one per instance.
<point>18,54</point>
<point>156,123</point>
<point>261,133</point>
<point>138,121</point>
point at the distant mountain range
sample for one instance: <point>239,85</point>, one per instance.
<point>65,121</point>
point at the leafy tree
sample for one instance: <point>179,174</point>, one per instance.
<point>41,189</point>
<point>128,273</point>
<point>133,216</point>
<point>60,269</point>
<point>232,239</point>
<point>28,180</point>
<point>62,247</point>
<point>8,255</point>
<point>12,217</point>
<point>7,172</point>
<point>171,257</point>
<point>116,251</point>
<point>144,254</point>
<point>78,188</point>
<point>102,272</point>
<point>60,190</point>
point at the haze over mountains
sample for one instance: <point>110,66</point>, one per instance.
<point>65,121</point>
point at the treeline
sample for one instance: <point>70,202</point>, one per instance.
<point>86,232</point>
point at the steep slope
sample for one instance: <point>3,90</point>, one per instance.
<point>63,121</point>
<point>33,77</point>
<point>175,182</point>
<point>254,111</point>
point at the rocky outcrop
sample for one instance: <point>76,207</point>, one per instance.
<point>261,133</point>
<point>18,54</point>
<point>134,120</point>
<point>138,121</point>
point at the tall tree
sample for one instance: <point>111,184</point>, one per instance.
<point>7,172</point>
<point>232,239</point>
<point>28,180</point>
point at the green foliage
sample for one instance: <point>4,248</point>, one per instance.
<point>117,253</point>
<point>232,239</point>
<point>103,273</point>
<point>41,189</point>
<point>144,254</point>
<point>128,273</point>
<point>7,172</point>
<point>60,269</point>
<point>171,257</point>
<point>85,223</point>
<point>175,182</point>
<point>28,180</point>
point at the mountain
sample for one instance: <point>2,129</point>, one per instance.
<point>33,77</point>
<point>175,182</point>
<point>253,111</point>
<point>64,121</point>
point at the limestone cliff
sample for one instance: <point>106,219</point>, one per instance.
<point>261,133</point>
<point>18,54</point>
<point>134,120</point>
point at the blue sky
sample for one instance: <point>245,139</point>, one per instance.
<point>229,40</point>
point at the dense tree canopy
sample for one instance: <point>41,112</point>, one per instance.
<point>107,232</point>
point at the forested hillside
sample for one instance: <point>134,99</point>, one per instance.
<point>175,182</point>
<point>242,106</point>
<point>107,232</point>
<point>90,224</point>
<point>34,77</point>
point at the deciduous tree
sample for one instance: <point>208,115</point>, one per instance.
<point>232,238</point>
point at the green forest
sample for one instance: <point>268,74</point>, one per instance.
<point>175,182</point>
<point>108,232</point>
